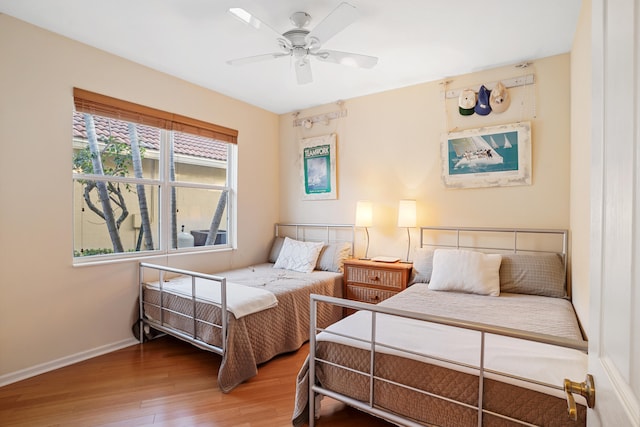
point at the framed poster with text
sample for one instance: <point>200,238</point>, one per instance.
<point>318,173</point>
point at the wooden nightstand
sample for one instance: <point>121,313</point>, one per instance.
<point>372,282</point>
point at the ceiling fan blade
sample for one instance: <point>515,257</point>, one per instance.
<point>345,58</point>
<point>340,18</point>
<point>303,71</point>
<point>257,58</point>
<point>251,20</point>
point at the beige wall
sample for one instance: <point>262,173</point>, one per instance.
<point>389,149</point>
<point>581,163</point>
<point>51,312</point>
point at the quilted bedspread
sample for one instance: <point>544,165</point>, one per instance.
<point>551,316</point>
<point>258,337</point>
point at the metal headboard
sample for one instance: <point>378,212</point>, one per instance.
<point>329,233</point>
<point>500,240</point>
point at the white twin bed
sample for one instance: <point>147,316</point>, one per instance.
<point>485,335</point>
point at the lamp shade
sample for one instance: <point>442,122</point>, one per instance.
<point>407,213</point>
<point>364,213</point>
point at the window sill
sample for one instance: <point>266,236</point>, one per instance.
<point>149,257</point>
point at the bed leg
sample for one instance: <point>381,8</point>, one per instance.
<point>141,330</point>
<point>312,407</point>
<point>137,329</point>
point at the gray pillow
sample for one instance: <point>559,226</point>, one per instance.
<point>332,257</point>
<point>533,274</point>
<point>275,249</point>
<point>422,265</point>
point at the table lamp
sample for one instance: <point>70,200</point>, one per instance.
<point>407,218</point>
<point>364,218</point>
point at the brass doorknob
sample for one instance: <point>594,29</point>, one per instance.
<point>586,389</point>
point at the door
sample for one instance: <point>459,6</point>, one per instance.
<point>614,337</point>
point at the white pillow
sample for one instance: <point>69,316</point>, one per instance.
<point>332,257</point>
<point>298,256</point>
<point>466,271</point>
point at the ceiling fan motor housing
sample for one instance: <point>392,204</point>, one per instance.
<point>297,37</point>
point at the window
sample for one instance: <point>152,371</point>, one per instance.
<point>146,181</point>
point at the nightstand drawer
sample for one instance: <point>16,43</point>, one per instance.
<point>372,282</point>
<point>369,276</point>
<point>370,295</point>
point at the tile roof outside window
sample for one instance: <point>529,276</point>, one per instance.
<point>184,143</point>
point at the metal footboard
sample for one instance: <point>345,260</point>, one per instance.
<point>161,325</point>
<point>374,348</point>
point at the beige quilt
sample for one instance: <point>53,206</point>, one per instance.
<point>552,316</point>
<point>258,337</point>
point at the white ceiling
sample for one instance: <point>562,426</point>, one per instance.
<point>415,40</point>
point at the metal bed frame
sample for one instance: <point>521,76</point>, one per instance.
<point>307,232</point>
<point>483,329</point>
<point>301,231</point>
<point>160,324</point>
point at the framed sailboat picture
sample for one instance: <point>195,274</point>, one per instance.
<point>492,156</point>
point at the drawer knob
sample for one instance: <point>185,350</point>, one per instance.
<point>375,278</point>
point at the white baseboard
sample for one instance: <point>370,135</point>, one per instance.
<point>65,361</point>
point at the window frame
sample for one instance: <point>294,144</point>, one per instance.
<point>101,105</point>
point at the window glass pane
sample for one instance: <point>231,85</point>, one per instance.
<point>96,231</point>
<point>199,159</point>
<point>195,211</point>
<point>112,150</point>
<point>123,187</point>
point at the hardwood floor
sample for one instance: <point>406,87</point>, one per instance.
<point>163,382</point>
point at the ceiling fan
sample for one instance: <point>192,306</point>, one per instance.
<point>301,43</point>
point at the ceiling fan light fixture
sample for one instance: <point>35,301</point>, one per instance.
<point>300,52</point>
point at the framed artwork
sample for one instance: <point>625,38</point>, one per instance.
<point>318,172</point>
<point>492,156</point>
